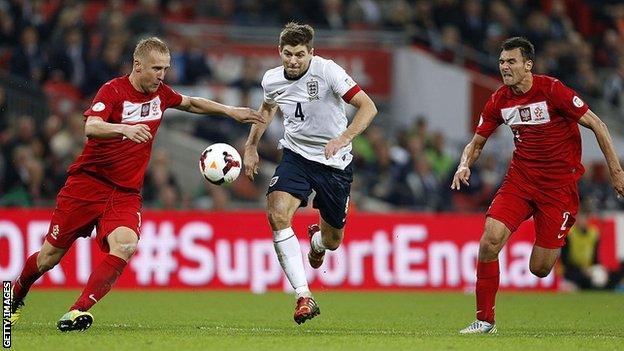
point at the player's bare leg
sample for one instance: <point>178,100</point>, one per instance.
<point>36,265</point>
<point>122,242</point>
<point>281,208</point>
<point>494,237</point>
<point>322,238</point>
<point>543,260</point>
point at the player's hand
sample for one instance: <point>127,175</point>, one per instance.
<point>461,176</point>
<point>334,145</point>
<point>617,179</point>
<point>139,133</point>
<point>246,115</point>
<point>251,161</point>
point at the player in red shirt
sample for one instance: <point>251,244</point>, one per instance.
<point>542,179</point>
<point>104,183</point>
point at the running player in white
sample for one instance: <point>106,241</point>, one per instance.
<point>310,92</point>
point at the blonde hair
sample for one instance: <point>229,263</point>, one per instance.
<point>147,45</point>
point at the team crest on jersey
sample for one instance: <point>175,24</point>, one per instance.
<point>535,113</point>
<point>313,89</point>
<point>134,112</point>
<point>525,114</point>
<point>145,110</point>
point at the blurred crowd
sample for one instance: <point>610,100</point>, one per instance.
<point>85,43</point>
<point>69,48</point>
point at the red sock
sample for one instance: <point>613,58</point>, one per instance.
<point>487,286</point>
<point>100,282</point>
<point>29,275</point>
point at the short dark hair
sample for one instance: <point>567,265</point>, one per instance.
<point>526,47</point>
<point>297,34</point>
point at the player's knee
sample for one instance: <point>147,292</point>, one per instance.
<point>123,243</point>
<point>278,219</point>
<point>128,249</point>
<point>333,245</point>
<point>490,244</point>
<point>124,248</point>
<point>333,241</point>
<point>540,271</point>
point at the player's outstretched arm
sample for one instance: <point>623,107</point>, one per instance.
<point>592,121</point>
<point>251,160</point>
<point>95,127</point>
<point>366,111</point>
<point>204,106</point>
<point>469,157</point>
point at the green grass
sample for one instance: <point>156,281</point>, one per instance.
<point>148,320</point>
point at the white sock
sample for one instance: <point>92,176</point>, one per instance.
<point>303,292</point>
<point>289,255</point>
<point>317,242</point>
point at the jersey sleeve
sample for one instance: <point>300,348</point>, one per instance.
<point>340,82</point>
<point>269,98</point>
<point>567,101</point>
<point>171,97</point>
<point>103,103</point>
<point>489,119</point>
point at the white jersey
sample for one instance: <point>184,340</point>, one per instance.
<point>313,108</point>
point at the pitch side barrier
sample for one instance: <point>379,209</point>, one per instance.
<point>234,250</point>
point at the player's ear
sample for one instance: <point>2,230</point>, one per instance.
<point>528,65</point>
<point>312,51</point>
<point>136,65</point>
<point>279,49</point>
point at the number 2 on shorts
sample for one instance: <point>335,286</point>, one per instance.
<point>566,218</point>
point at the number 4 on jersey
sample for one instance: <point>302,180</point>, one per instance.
<point>299,111</point>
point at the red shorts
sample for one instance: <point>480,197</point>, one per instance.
<point>86,202</point>
<point>553,210</point>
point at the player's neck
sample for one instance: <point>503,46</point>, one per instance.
<point>135,84</point>
<point>523,86</point>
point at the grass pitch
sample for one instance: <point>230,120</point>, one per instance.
<point>199,320</point>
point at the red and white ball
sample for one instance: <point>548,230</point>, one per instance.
<point>220,163</point>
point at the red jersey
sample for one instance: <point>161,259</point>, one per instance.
<point>544,121</point>
<point>119,160</point>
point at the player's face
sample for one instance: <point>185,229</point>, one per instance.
<point>296,59</point>
<point>151,70</point>
<point>513,67</point>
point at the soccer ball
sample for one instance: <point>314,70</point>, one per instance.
<point>598,275</point>
<point>220,163</point>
